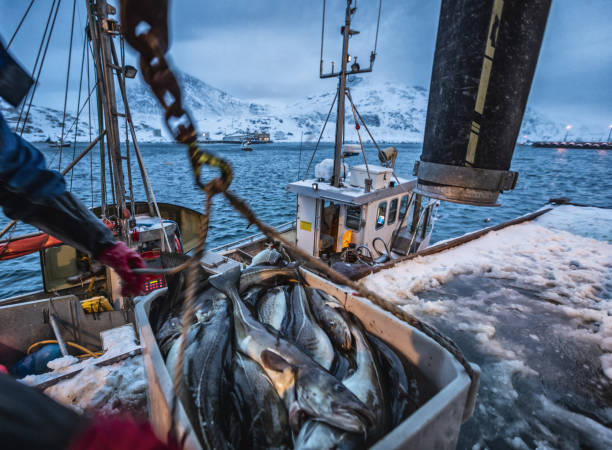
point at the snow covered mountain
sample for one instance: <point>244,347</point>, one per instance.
<point>394,112</point>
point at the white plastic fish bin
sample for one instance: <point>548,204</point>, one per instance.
<point>435,424</point>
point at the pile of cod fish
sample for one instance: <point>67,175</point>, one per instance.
<point>272,363</point>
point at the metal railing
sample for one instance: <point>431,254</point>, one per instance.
<point>252,238</point>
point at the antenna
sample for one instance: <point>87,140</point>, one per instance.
<point>355,68</point>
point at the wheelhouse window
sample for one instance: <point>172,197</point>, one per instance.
<point>392,211</point>
<point>403,207</point>
<point>353,217</point>
<point>381,214</point>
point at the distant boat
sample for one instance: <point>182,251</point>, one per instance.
<point>574,144</point>
<point>246,146</point>
<point>59,144</point>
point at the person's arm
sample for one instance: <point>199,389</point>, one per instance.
<point>36,195</point>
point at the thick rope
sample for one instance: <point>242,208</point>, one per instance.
<point>189,310</point>
<point>241,206</point>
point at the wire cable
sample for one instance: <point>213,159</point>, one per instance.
<point>40,47</point>
<point>76,129</point>
<point>42,62</point>
<point>59,164</point>
<point>377,25</point>
<point>322,39</point>
<point>314,152</point>
<point>19,26</point>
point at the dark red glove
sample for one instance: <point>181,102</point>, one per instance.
<point>117,433</point>
<point>123,259</point>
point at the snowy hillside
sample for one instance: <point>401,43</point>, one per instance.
<point>393,112</point>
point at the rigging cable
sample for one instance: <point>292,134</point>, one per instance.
<point>59,164</point>
<point>42,62</point>
<point>91,182</point>
<point>314,152</point>
<point>322,39</point>
<point>19,26</point>
<point>76,129</point>
<point>40,47</point>
<point>121,77</point>
<point>74,122</point>
<point>365,160</point>
<point>377,26</point>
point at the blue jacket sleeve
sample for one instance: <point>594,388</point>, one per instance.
<point>30,192</point>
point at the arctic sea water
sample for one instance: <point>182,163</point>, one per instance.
<point>260,177</point>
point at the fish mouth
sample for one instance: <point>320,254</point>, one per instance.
<point>297,417</point>
<point>355,419</point>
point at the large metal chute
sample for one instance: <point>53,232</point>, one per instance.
<point>485,58</point>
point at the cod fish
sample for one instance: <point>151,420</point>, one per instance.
<point>304,386</point>
<point>315,435</point>
<point>365,381</point>
<point>264,414</point>
<point>208,357</point>
<point>303,329</point>
<point>272,307</point>
<point>403,393</point>
<point>326,310</point>
<point>265,276</point>
<point>267,257</point>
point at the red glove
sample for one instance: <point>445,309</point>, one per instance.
<point>123,259</point>
<point>117,433</point>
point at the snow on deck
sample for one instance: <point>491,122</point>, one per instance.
<point>531,304</point>
<point>118,388</point>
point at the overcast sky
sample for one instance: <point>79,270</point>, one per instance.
<point>268,50</point>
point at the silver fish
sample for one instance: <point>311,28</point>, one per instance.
<point>325,309</point>
<point>264,414</point>
<point>304,331</point>
<point>364,382</point>
<point>402,391</point>
<point>315,435</point>
<point>268,257</point>
<point>265,276</point>
<point>302,384</point>
<point>209,353</point>
<point>272,307</point>
<point>251,296</point>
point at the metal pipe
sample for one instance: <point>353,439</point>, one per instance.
<point>82,154</point>
<point>485,58</point>
<point>58,335</point>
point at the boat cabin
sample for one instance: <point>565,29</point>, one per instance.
<point>371,205</point>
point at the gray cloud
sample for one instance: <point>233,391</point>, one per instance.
<point>268,50</point>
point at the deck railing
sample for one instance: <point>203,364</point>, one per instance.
<point>252,238</point>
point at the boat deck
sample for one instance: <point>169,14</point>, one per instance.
<point>531,304</point>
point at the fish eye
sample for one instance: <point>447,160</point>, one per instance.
<point>339,387</point>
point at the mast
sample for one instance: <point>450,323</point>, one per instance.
<point>342,74</point>
<point>101,29</point>
<point>335,181</point>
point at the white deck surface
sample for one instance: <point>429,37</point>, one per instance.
<point>532,305</point>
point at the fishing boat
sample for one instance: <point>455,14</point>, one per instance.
<point>351,217</point>
<point>246,146</point>
<point>59,144</point>
<point>81,297</point>
<point>383,219</point>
